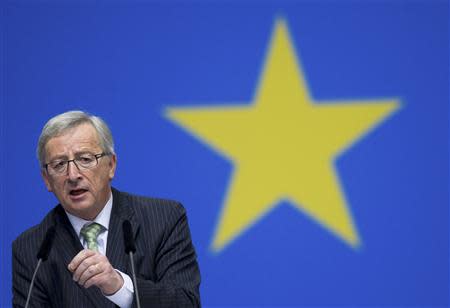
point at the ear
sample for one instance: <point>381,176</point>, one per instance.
<point>112,166</point>
<point>46,180</point>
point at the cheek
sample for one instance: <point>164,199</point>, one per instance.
<point>57,188</point>
<point>100,181</point>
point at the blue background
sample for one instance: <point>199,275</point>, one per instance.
<point>127,61</point>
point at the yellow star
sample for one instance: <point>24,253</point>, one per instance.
<point>283,146</point>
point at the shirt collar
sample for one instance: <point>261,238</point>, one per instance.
<point>102,218</point>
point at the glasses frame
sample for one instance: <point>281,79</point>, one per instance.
<point>97,157</point>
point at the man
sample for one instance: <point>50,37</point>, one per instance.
<point>87,265</point>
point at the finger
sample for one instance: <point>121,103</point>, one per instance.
<point>85,253</point>
<point>108,280</point>
<point>84,265</point>
<point>93,281</point>
<point>90,272</point>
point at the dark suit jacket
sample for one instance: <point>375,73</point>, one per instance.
<point>166,266</point>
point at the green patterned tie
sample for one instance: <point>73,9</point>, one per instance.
<point>90,234</point>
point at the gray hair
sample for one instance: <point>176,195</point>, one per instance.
<point>63,122</point>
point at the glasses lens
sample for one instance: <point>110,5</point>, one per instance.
<point>57,166</point>
<point>86,161</point>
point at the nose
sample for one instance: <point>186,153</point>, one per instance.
<point>72,171</point>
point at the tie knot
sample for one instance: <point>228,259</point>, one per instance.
<point>90,233</point>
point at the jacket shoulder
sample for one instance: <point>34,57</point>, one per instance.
<point>156,212</point>
<point>145,203</point>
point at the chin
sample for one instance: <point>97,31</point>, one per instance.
<point>78,208</point>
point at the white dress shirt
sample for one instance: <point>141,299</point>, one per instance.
<point>124,296</point>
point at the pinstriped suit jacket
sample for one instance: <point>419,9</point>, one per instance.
<point>166,266</point>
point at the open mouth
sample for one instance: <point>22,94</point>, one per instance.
<point>77,192</point>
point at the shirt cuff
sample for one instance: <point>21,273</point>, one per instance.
<point>124,297</point>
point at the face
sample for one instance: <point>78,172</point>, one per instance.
<point>82,193</point>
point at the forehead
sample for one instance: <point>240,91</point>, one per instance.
<point>78,138</point>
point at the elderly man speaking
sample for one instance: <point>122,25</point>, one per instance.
<point>87,265</point>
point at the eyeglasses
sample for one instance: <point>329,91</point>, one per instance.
<point>82,162</point>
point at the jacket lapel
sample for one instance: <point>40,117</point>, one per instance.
<point>115,250</point>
